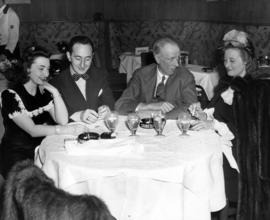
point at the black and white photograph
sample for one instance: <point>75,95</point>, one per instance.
<point>134,110</point>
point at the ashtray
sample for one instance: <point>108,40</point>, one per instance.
<point>107,135</point>
<point>146,123</point>
<point>86,136</point>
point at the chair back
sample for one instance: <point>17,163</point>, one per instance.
<point>184,57</point>
<point>202,97</point>
<point>147,58</point>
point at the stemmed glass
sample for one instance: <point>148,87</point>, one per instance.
<point>132,123</point>
<point>111,121</point>
<point>159,122</point>
<point>183,122</point>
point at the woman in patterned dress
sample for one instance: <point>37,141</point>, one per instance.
<point>31,108</point>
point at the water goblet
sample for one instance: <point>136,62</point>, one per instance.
<point>159,122</point>
<point>183,122</point>
<point>132,123</point>
<point>111,121</point>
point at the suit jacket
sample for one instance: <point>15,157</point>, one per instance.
<point>98,91</point>
<point>179,89</point>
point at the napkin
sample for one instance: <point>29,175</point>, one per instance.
<point>104,147</point>
<point>98,127</point>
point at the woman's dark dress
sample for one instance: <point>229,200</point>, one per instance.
<point>17,144</point>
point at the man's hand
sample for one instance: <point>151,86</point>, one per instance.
<point>103,111</point>
<point>89,116</point>
<point>159,106</point>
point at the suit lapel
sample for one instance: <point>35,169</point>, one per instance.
<point>92,89</point>
<point>73,90</point>
<point>169,82</point>
<point>150,83</point>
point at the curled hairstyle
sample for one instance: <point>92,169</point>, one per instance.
<point>239,40</point>
<point>247,55</point>
<point>160,43</point>
<point>80,40</point>
<point>18,71</point>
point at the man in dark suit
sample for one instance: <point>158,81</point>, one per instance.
<point>165,86</point>
<point>84,88</point>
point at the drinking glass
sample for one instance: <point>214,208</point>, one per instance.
<point>111,121</point>
<point>159,122</point>
<point>132,123</point>
<point>183,122</point>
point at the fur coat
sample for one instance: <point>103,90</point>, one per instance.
<point>252,108</point>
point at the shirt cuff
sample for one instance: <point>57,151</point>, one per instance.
<point>138,107</point>
<point>76,116</point>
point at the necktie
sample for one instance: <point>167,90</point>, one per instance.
<point>160,92</point>
<point>77,76</point>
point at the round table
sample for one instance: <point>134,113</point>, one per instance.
<point>143,177</point>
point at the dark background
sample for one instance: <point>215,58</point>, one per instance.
<point>231,11</point>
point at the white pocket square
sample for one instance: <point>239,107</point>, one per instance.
<point>100,92</point>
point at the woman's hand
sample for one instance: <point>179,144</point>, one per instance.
<point>196,111</point>
<point>203,124</point>
<point>50,88</point>
<point>59,113</point>
<point>74,129</point>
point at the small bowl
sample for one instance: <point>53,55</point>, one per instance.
<point>146,123</point>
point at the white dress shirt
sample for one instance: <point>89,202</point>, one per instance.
<point>159,79</point>
<point>81,83</point>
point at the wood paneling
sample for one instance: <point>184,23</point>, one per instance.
<point>233,11</point>
<point>59,10</point>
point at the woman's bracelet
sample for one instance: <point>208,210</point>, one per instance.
<point>57,129</point>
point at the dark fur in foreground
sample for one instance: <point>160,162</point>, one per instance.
<point>2,182</point>
<point>30,195</point>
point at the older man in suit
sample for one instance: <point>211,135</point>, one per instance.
<point>165,86</point>
<point>84,87</point>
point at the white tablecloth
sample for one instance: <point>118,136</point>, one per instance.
<point>208,80</point>
<point>129,62</point>
<point>155,178</point>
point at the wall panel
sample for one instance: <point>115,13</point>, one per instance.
<point>232,11</point>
